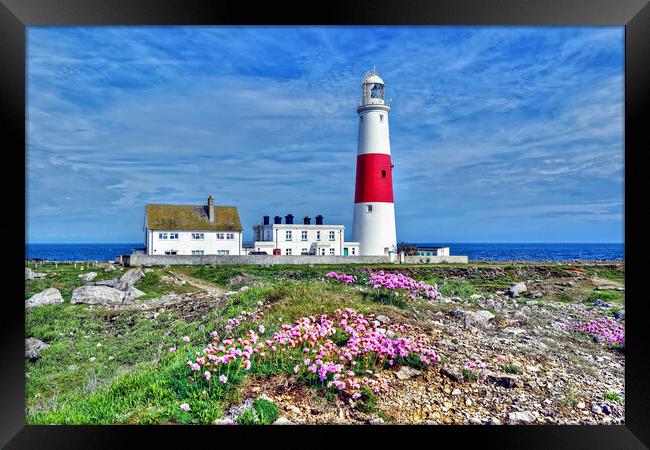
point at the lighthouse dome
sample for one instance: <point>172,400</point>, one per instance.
<point>372,92</point>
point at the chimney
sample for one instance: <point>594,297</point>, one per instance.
<point>306,220</point>
<point>267,220</point>
<point>288,219</point>
<point>277,219</point>
<point>211,209</point>
<point>319,220</point>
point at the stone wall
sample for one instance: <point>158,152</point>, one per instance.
<point>163,260</point>
<point>435,259</point>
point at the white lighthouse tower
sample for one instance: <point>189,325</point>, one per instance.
<point>374,209</point>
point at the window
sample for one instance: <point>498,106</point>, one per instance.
<point>287,251</point>
<point>322,251</point>
<point>197,252</point>
<point>381,117</point>
<point>303,235</point>
<point>332,236</point>
<point>162,235</point>
<point>220,236</point>
<point>173,236</point>
<point>223,252</point>
<point>287,236</point>
<point>318,235</point>
<point>230,236</point>
<point>368,209</point>
<point>170,252</point>
<point>353,250</point>
<point>383,174</point>
<point>331,251</point>
<point>197,236</point>
<point>304,251</point>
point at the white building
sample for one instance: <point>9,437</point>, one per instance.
<point>192,229</point>
<point>301,239</point>
<point>431,251</point>
<point>374,209</point>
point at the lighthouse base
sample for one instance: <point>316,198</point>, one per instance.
<point>374,228</point>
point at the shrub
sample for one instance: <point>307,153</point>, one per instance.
<point>267,411</point>
<point>367,402</point>
<point>612,396</point>
<point>511,368</point>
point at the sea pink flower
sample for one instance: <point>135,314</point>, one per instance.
<point>172,349</point>
<point>185,407</point>
<point>186,339</point>
<point>223,378</point>
<point>261,329</point>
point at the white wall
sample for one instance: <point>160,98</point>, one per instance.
<point>375,231</point>
<point>297,245</point>
<point>185,244</point>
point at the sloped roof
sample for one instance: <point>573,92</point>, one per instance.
<point>191,217</point>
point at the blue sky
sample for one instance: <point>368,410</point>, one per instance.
<point>498,134</point>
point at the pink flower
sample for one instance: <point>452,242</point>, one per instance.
<point>261,329</point>
<point>223,378</point>
<point>185,407</point>
<point>186,339</point>
<point>500,357</point>
<point>172,349</point>
<point>206,375</point>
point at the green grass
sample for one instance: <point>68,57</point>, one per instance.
<point>153,287</point>
<point>468,375</point>
<point>65,278</point>
<point>454,288</point>
<point>613,396</point>
<point>263,412</point>
<point>605,296</point>
<point>511,369</point>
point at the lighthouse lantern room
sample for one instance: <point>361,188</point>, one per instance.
<point>374,211</point>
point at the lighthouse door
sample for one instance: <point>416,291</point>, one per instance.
<point>345,251</point>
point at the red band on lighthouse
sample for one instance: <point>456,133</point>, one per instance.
<point>374,181</point>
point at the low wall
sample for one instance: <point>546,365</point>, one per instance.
<point>435,259</point>
<point>163,260</point>
<point>171,260</point>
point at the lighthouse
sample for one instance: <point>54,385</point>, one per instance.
<point>374,209</point>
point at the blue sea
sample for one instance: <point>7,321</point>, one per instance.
<point>474,251</point>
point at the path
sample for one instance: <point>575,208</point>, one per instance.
<point>201,284</point>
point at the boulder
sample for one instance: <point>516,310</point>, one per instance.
<point>406,372</point>
<point>283,421</point>
<point>504,379</point>
<point>90,276</point>
<point>376,421</point>
<point>383,319</point>
<point>516,288</point>
<point>110,282</point>
<point>521,417</point>
<point>33,348</point>
<point>471,319</point>
<point>49,296</point>
<point>29,275</point>
<point>97,295</point>
<point>108,267</point>
<point>129,279</point>
<point>133,293</point>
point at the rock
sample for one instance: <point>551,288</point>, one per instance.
<point>133,293</point>
<point>516,288</point>
<point>108,267</point>
<point>129,279</point>
<point>283,421</point>
<point>596,409</point>
<point>515,331</point>
<point>97,295</point>
<point>454,376</point>
<point>406,372</point>
<point>581,405</point>
<point>376,421</point>
<point>29,275</point>
<point>49,296</point>
<point>620,314</point>
<point>293,409</point>
<point>110,282</point>
<point>601,304</point>
<point>475,421</point>
<point>456,392</point>
<point>90,276</point>
<point>33,348</point>
<point>609,288</point>
<point>473,319</point>
<point>383,319</point>
<point>504,379</point>
<point>607,410</point>
<point>521,417</point>
<point>224,422</point>
<point>495,421</point>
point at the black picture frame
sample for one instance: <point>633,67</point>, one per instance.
<point>16,15</point>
